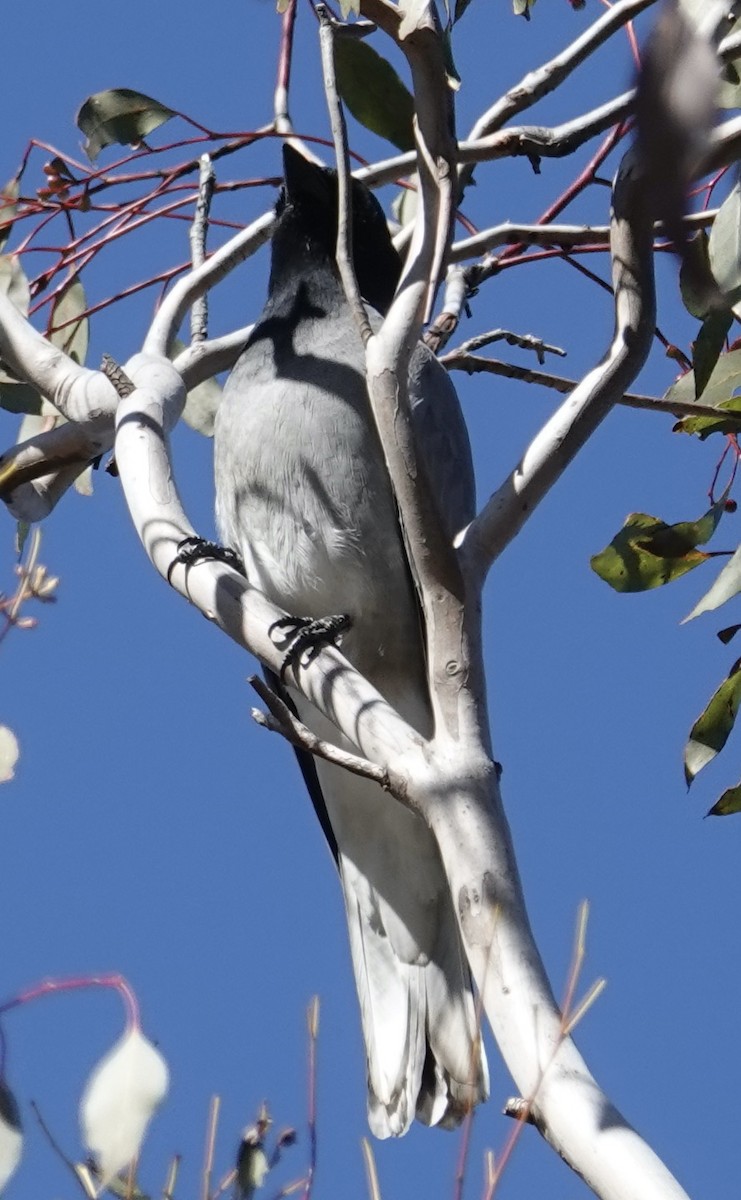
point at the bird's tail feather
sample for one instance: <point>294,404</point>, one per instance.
<point>424,1056</point>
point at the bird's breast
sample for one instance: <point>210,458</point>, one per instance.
<point>303,493</point>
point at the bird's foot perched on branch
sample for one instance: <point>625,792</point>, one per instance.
<point>306,636</point>
<point>193,550</point>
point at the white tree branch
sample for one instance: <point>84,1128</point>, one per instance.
<point>224,597</point>
<point>179,299</point>
<point>546,78</point>
<point>573,423</point>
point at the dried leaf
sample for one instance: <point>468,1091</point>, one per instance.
<point>121,1095</point>
<point>9,754</point>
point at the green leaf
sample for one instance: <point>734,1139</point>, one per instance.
<point>730,802</point>
<point>724,380</point>
<point>9,752</point>
<point>201,405</point>
<point>119,115</point>
<point>19,397</point>
<point>374,93</point>
<point>647,553</point>
<point>704,426</point>
<point>14,283</point>
<point>16,396</point>
<point>84,482</point>
<point>724,248</point>
<point>22,530</point>
<point>708,345</point>
<point>729,92</point>
<point>710,731</point>
<point>451,71</point>
<point>696,302</point>
<point>68,328</point>
<point>202,401</point>
<point>8,209</point>
<point>404,205</point>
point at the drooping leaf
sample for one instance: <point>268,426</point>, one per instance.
<point>694,300</point>
<point>120,1098</point>
<point>9,753</point>
<point>451,70</point>
<point>84,482</point>
<point>14,283</point>
<point>16,396</point>
<point>374,93</point>
<point>647,553</point>
<point>727,585</point>
<point>710,731</point>
<point>708,345</point>
<point>8,209</point>
<point>724,248</point>
<point>68,329</point>
<point>11,1136</point>
<point>202,401</point>
<point>404,205</point>
<point>19,397</point>
<point>730,802</point>
<point>22,531</point>
<point>201,406</point>
<point>729,92</point>
<point>119,115</point>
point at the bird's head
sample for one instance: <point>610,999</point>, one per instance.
<point>307,213</point>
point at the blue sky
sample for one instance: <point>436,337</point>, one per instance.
<point>154,830</point>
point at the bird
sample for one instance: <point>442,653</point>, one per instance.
<point>304,498</point>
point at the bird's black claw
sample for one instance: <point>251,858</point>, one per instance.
<point>193,550</point>
<point>307,635</point>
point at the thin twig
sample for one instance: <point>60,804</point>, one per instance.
<point>168,1190</point>
<point>328,29</point>
<point>458,360</point>
<point>546,78</point>
<point>71,1166</point>
<point>312,1021</point>
<point>371,1172</point>
<point>284,722</point>
<point>208,1157</point>
<point>281,115</point>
